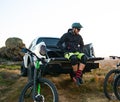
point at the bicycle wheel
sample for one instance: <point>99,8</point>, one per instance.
<point>116,87</point>
<point>48,92</point>
<point>108,84</point>
<point>30,72</point>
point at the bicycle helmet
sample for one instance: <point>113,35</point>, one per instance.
<point>77,25</point>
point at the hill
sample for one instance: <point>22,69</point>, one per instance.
<point>11,84</point>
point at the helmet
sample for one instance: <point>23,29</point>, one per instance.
<point>77,25</point>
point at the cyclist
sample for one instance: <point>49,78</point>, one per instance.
<point>74,51</point>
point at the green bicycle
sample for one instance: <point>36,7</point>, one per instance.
<point>39,89</point>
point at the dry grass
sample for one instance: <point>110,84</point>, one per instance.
<point>90,91</point>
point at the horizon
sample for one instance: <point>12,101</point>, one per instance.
<point>28,19</point>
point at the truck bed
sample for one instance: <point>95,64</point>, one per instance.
<point>62,66</point>
<point>62,59</point>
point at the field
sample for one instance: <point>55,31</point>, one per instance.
<point>91,90</point>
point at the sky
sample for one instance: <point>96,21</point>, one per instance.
<point>28,19</point>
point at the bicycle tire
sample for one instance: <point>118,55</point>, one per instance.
<point>30,72</point>
<point>45,85</point>
<point>116,87</point>
<point>108,84</point>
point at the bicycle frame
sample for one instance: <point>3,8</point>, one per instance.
<point>37,75</point>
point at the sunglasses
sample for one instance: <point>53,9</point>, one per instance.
<point>78,29</point>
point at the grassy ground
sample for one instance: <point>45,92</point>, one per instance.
<point>11,84</point>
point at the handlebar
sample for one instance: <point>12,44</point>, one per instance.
<point>114,57</point>
<point>25,50</point>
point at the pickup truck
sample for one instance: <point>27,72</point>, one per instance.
<point>58,64</point>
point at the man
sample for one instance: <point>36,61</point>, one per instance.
<point>73,51</point>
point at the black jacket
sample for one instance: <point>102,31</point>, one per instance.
<point>73,42</point>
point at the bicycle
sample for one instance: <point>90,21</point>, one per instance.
<point>116,87</point>
<point>39,89</point>
<point>109,83</point>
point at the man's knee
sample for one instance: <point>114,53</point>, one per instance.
<point>73,59</point>
<point>84,59</point>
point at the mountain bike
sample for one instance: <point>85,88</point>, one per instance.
<point>39,89</point>
<point>109,83</point>
<point>116,87</point>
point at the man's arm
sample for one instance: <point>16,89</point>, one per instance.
<point>61,41</point>
<point>81,43</point>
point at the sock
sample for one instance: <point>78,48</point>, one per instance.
<point>79,74</point>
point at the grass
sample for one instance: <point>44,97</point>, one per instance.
<point>10,67</point>
<point>91,91</point>
<point>8,78</point>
